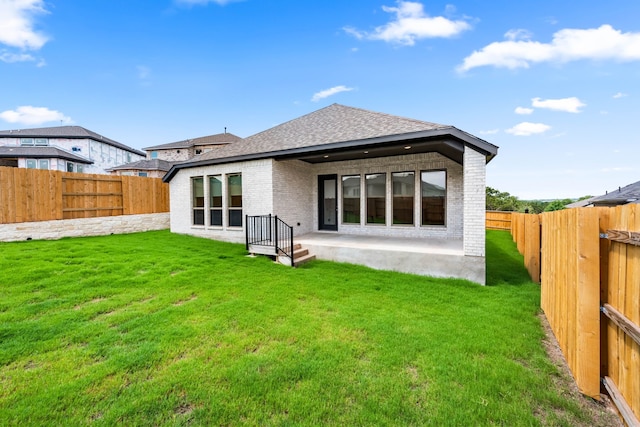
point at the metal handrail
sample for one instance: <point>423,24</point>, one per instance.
<point>269,230</point>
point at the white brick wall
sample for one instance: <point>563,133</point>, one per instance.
<point>415,162</point>
<point>294,197</point>
<point>256,198</point>
<point>474,202</point>
<point>101,226</point>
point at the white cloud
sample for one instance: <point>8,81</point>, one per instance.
<point>620,95</point>
<point>523,110</point>
<point>569,105</point>
<point>28,115</point>
<point>328,92</point>
<point>10,57</point>
<point>16,24</point>
<point>528,128</point>
<point>603,43</point>
<point>411,23</point>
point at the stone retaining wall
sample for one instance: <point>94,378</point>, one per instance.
<point>101,226</point>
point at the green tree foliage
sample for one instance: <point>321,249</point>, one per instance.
<point>557,205</point>
<point>501,201</point>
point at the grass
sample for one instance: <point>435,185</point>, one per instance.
<point>157,328</point>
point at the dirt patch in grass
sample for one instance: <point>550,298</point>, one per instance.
<point>601,413</point>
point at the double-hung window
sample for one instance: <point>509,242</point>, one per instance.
<point>197,200</point>
<point>351,199</point>
<point>234,189</point>
<point>215,202</point>
<point>403,195</point>
<point>376,197</point>
<point>434,196</point>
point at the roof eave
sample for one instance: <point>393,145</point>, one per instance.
<point>486,148</point>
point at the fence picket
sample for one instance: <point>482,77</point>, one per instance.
<point>28,195</point>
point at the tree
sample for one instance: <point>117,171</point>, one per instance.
<point>557,205</point>
<point>501,201</point>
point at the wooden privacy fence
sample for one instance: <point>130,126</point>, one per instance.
<point>590,293</point>
<point>28,195</point>
<point>498,220</point>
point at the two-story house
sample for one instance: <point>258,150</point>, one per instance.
<point>65,148</point>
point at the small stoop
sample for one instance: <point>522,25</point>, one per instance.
<point>300,256</point>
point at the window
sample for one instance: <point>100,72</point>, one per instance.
<point>128,157</point>
<point>434,191</point>
<point>79,168</point>
<point>31,164</point>
<point>43,164</point>
<point>143,174</point>
<point>69,167</point>
<point>198,151</point>
<point>376,197</point>
<point>234,188</point>
<point>215,204</point>
<point>197,200</point>
<point>154,154</point>
<point>351,199</point>
<point>41,141</point>
<point>403,194</point>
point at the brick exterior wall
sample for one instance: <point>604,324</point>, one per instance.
<point>81,227</point>
<point>172,155</point>
<point>294,195</point>
<point>257,199</point>
<point>292,199</point>
<point>474,202</point>
<point>416,163</point>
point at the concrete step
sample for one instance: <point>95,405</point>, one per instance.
<point>305,258</point>
<point>299,253</point>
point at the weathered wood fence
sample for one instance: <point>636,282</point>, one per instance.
<point>28,195</point>
<point>589,270</point>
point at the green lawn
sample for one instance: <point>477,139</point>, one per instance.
<point>156,328</point>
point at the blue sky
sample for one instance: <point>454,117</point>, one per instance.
<point>556,85</point>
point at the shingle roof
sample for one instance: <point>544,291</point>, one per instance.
<point>219,138</point>
<point>336,127</point>
<point>621,196</point>
<point>335,123</point>
<point>153,164</point>
<point>73,132</point>
<point>11,152</point>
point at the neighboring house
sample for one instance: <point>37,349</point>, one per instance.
<point>355,185</point>
<point>66,148</point>
<point>621,196</point>
<point>189,148</point>
<point>155,168</point>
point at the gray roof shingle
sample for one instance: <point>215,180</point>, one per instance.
<point>153,164</point>
<point>73,132</point>
<point>335,127</point>
<point>219,138</point>
<point>335,123</point>
<point>12,152</point>
<point>621,196</point>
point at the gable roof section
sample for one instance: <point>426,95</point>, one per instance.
<point>12,152</point>
<point>151,165</point>
<point>71,132</point>
<point>217,139</point>
<point>333,129</point>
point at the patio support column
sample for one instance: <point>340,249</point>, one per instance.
<point>474,165</point>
